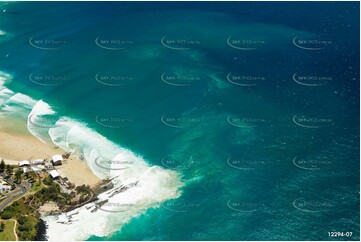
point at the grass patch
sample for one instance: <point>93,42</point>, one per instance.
<point>36,187</point>
<point>8,233</point>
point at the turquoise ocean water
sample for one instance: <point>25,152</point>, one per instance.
<point>253,108</point>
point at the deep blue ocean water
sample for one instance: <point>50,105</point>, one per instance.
<point>255,105</point>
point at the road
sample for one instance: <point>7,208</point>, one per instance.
<point>15,194</point>
<point>10,198</point>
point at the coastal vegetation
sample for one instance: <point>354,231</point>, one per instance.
<point>26,216</point>
<point>2,165</point>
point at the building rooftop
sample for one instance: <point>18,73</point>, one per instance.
<point>24,163</point>
<point>54,174</point>
<point>57,158</point>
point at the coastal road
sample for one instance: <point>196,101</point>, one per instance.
<point>11,197</point>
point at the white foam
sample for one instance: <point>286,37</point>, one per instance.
<point>18,104</point>
<point>39,130</point>
<point>13,103</point>
<point>5,94</point>
<point>4,77</point>
<point>3,36</point>
<point>42,108</point>
<point>155,184</point>
<point>76,137</point>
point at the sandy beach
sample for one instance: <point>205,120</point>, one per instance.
<point>48,208</point>
<point>18,144</point>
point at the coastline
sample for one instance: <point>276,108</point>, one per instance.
<point>150,185</point>
<point>17,144</point>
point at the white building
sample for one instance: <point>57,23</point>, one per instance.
<point>54,174</point>
<point>57,160</point>
<point>24,163</point>
<point>38,168</point>
<point>4,187</point>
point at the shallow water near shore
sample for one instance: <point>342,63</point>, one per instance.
<point>234,127</point>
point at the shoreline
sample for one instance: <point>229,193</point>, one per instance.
<point>17,144</point>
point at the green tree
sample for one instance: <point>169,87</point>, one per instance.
<point>27,226</point>
<point>48,181</point>
<point>9,169</point>
<point>2,165</point>
<point>7,214</point>
<point>18,176</point>
<point>22,219</point>
<point>2,226</point>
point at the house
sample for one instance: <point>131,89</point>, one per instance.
<point>37,168</point>
<point>54,174</point>
<point>4,187</point>
<point>57,160</point>
<point>38,162</point>
<point>24,163</point>
<point>48,165</point>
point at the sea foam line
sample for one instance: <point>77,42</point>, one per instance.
<point>154,185</point>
